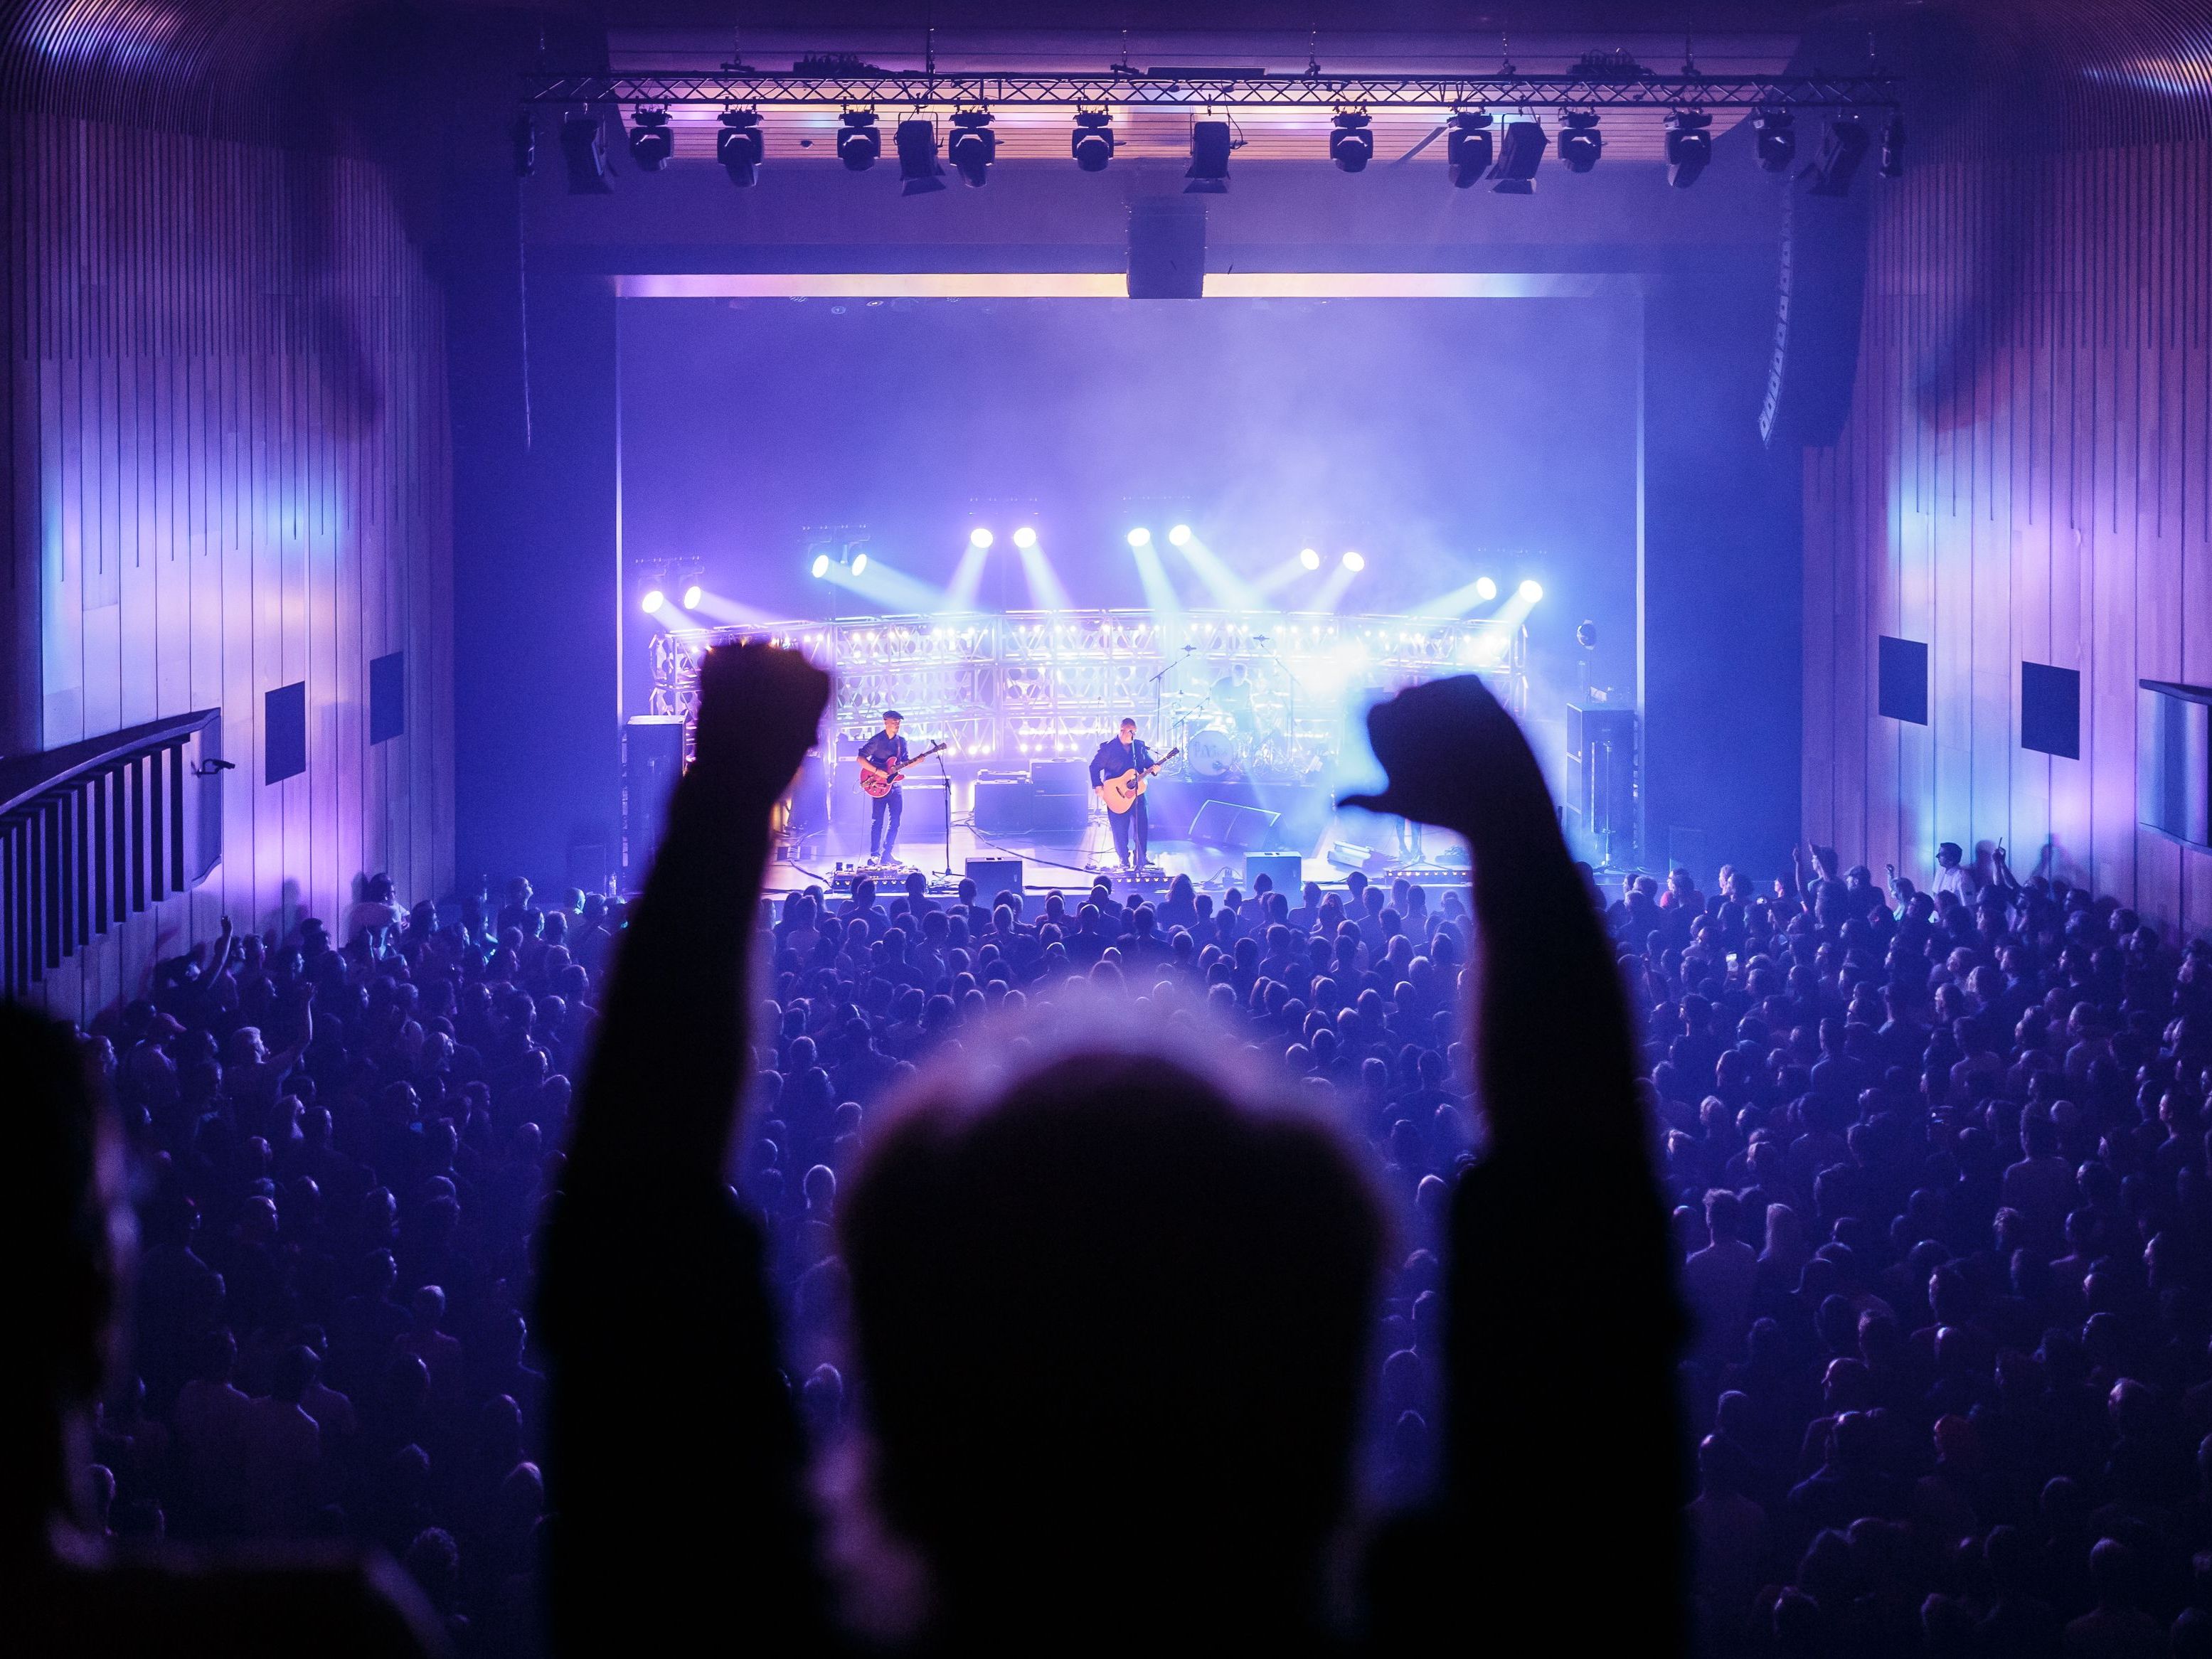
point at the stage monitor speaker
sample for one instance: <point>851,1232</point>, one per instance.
<point>1004,806</point>
<point>2050,710</point>
<point>994,875</point>
<point>1167,248</point>
<point>1286,870</point>
<point>1220,824</point>
<point>653,759</point>
<point>2173,759</point>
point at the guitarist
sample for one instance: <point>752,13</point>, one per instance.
<point>1116,756</point>
<point>886,751</point>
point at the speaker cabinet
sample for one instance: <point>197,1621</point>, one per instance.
<point>1286,870</point>
<point>1004,806</point>
<point>653,760</point>
<point>1167,248</point>
<point>994,875</point>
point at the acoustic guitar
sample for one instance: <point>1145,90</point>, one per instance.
<point>876,782</point>
<point>1121,793</point>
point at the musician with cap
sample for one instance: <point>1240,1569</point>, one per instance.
<point>884,755</point>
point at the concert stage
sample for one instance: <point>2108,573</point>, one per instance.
<point>1255,716</point>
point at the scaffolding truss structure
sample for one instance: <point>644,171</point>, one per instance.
<point>1200,91</point>
<point>1008,687</point>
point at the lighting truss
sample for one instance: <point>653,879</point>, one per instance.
<point>767,90</point>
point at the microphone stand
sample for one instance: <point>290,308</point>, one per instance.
<point>947,776</point>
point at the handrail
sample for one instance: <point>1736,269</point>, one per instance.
<point>23,778</point>
<point>95,832</point>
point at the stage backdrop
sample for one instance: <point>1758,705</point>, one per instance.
<point>1442,440</point>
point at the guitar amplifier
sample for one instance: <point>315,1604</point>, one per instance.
<point>923,816</point>
<point>1004,806</point>
<point>1288,871</point>
<point>1061,777</point>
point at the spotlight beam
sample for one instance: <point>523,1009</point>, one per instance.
<point>1332,588</point>
<point>1159,592</point>
<point>1047,591</point>
<point>894,589</point>
<point>1231,590</point>
<point>967,578</point>
<point>716,608</point>
<point>1461,600</point>
<point>1274,580</point>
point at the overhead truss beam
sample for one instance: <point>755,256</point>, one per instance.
<point>871,90</point>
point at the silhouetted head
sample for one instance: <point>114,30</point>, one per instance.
<point>67,1214</point>
<point>1112,1319</point>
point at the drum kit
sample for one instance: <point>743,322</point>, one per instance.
<point>1253,736</point>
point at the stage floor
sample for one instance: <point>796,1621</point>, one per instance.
<point>1069,865</point>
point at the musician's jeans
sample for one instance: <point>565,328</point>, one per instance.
<point>1126,825</point>
<point>883,823</point>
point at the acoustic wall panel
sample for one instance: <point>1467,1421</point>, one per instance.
<point>284,732</point>
<point>2050,710</point>
<point>387,697</point>
<point>1902,667</point>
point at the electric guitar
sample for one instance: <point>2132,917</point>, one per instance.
<point>876,782</point>
<point>1121,793</point>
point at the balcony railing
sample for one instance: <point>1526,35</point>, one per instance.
<point>94,832</point>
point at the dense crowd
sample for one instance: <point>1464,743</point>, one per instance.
<point>1939,1162</point>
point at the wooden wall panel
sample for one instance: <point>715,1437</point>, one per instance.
<point>2026,474</point>
<point>229,471</point>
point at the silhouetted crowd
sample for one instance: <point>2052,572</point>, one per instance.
<point>1939,1160</point>
<point>1946,1235</point>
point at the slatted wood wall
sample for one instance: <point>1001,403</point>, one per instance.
<point>2026,474</point>
<point>225,438</point>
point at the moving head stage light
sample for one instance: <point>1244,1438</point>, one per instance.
<point>1468,150</point>
<point>739,146</point>
<point>651,143</point>
<point>859,143</point>
<point>1092,142</point>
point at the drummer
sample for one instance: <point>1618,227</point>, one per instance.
<point>1232,696</point>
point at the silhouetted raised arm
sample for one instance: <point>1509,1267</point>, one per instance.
<point>1564,1483</point>
<point>676,1456</point>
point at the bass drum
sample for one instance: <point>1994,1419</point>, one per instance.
<point>1212,753</point>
